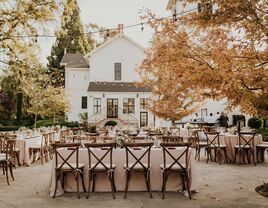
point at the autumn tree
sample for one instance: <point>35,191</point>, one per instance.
<point>70,38</point>
<point>220,54</point>
<point>20,22</point>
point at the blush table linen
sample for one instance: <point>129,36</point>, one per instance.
<point>137,182</point>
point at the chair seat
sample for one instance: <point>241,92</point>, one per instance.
<point>241,146</point>
<point>138,166</point>
<point>202,144</point>
<point>100,167</point>
<point>35,147</point>
<point>67,167</point>
<point>263,145</point>
<point>217,146</point>
<point>174,167</point>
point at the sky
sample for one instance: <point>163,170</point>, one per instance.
<point>110,13</point>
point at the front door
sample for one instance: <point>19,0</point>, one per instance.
<point>112,108</point>
<point>143,119</point>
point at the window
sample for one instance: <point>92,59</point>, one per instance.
<point>97,105</point>
<point>129,105</point>
<point>204,112</point>
<point>144,103</point>
<point>143,119</point>
<point>117,71</point>
<point>84,102</point>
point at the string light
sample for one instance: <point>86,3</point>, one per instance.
<point>142,28</point>
<point>174,17</point>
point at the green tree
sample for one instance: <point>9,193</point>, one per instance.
<point>70,37</point>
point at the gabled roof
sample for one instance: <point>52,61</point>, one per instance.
<point>74,60</point>
<point>171,4</point>
<point>119,35</point>
<point>116,87</point>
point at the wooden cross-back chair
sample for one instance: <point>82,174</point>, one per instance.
<point>100,165</point>
<point>139,139</point>
<point>179,164</point>
<point>245,147</point>
<point>3,147</point>
<point>138,165</point>
<point>214,143</point>
<point>6,158</point>
<point>43,149</point>
<point>64,164</point>
<point>200,143</point>
<point>171,139</point>
<point>175,131</point>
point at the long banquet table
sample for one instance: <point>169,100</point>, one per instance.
<point>137,182</point>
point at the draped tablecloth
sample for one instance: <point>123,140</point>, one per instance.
<point>230,140</point>
<point>24,145</point>
<point>137,182</point>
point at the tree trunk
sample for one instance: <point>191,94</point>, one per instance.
<point>19,106</point>
<point>35,119</point>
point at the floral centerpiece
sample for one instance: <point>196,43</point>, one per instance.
<point>120,138</point>
<point>188,125</point>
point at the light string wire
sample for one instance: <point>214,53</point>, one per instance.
<point>174,16</point>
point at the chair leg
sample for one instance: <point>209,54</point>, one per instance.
<point>11,171</point>
<point>77,185</point>
<point>253,157</point>
<point>199,149</point>
<point>188,185</point>
<point>18,158</point>
<point>111,178</point>
<point>235,156</point>
<point>165,177</point>
<point>127,183</point>
<point>6,171</point>
<point>225,155</point>
<point>114,183</point>
<point>89,183</point>
<point>94,181</point>
<point>56,185</point>
<point>148,181</point>
<point>83,182</point>
<point>208,153</point>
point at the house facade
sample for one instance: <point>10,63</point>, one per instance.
<point>104,85</point>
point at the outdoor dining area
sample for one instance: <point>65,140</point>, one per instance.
<point>128,160</point>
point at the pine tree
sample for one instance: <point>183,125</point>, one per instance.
<point>70,37</point>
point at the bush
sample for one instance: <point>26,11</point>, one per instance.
<point>9,128</point>
<point>70,124</point>
<point>255,123</point>
<point>44,123</point>
<point>92,129</point>
<point>23,122</point>
<point>110,123</point>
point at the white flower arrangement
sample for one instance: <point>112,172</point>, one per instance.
<point>119,139</point>
<point>188,125</point>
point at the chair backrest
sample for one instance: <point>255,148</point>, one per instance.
<point>146,155</point>
<point>139,139</point>
<point>193,138</point>
<point>45,142</point>
<point>72,148</point>
<point>171,139</point>
<point>180,159</point>
<point>246,139</point>
<point>107,152</point>
<point>213,139</point>
<point>174,131</point>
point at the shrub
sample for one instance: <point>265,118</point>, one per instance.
<point>92,129</point>
<point>255,123</point>
<point>110,123</point>
<point>9,128</point>
<point>70,124</point>
<point>44,123</point>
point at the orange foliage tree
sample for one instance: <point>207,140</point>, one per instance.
<point>218,54</point>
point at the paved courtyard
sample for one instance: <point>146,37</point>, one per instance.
<point>219,186</point>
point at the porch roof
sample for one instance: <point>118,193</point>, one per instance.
<point>116,87</point>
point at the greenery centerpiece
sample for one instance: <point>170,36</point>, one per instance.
<point>120,139</point>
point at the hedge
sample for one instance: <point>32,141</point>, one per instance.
<point>9,128</point>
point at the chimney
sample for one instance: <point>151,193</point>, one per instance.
<point>120,28</point>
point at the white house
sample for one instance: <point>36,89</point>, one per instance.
<point>209,107</point>
<point>103,86</point>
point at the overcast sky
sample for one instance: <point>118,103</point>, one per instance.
<point>110,13</point>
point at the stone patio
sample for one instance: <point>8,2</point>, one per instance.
<point>219,186</point>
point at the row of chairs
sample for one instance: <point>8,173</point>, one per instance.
<point>63,164</point>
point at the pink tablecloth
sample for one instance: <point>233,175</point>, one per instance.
<point>24,145</point>
<point>231,140</point>
<point>137,182</point>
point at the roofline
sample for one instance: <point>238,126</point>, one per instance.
<point>171,4</point>
<point>112,39</point>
